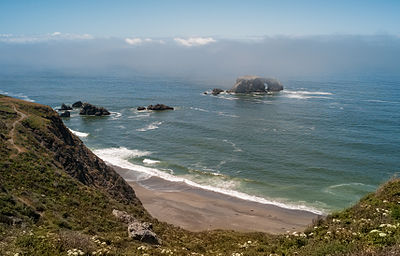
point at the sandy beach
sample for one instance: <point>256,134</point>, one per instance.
<point>197,209</point>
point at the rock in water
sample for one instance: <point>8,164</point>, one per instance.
<point>273,85</point>
<point>65,114</point>
<point>65,107</point>
<point>77,104</point>
<point>141,108</point>
<point>249,84</point>
<point>159,107</point>
<point>91,110</point>
<point>216,91</point>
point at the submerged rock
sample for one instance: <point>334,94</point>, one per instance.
<point>65,114</point>
<point>137,230</point>
<point>91,110</point>
<point>250,84</point>
<point>77,104</point>
<point>159,107</point>
<point>65,107</point>
<point>216,91</point>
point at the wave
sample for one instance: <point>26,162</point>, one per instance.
<point>306,94</point>
<point>228,115</point>
<point>115,115</point>
<point>235,148</point>
<point>79,134</point>
<point>17,95</point>
<point>383,101</point>
<point>119,157</point>
<point>139,116</point>
<point>345,186</point>
<point>199,109</point>
<point>151,126</point>
<point>150,162</point>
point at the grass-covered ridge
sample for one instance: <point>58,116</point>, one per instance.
<point>56,198</point>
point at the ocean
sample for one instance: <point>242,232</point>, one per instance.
<point>319,145</point>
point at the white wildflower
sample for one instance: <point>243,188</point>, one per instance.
<point>382,234</point>
<point>374,231</point>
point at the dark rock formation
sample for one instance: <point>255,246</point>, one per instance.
<point>249,84</point>
<point>273,85</point>
<point>141,108</point>
<point>65,107</point>
<point>216,91</point>
<point>65,114</point>
<point>77,104</point>
<point>137,230</point>
<point>159,107</point>
<point>91,110</point>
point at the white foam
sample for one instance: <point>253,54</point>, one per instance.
<point>115,115</point>
<point>235,148</point>
<point>150,162</point>
<point>79,134</point>
<point>119,157</point>
<point>17,95</point>
<point>383,101</point>
<point>151,126</point>
<point>306,94</point>
<point>140,116</point>
<point>228,115</point>
<point>199,109</point>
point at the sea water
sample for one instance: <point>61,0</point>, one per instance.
<point>321,144</point>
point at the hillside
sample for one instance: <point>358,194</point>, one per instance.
<point>57,198</point>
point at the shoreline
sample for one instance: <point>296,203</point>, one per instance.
<point>197,209</point>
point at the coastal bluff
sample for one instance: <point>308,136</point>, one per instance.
<point>254,84</point>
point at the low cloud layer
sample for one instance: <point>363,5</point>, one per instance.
<point>195,41</point>
<point>55,36</point>
<point>204,57</point>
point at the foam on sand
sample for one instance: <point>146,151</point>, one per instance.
<point>79,134</point>
<point>120,156</point>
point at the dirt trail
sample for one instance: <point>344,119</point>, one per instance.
<point>12,132</point>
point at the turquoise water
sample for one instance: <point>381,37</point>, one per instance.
<point>320,144</point>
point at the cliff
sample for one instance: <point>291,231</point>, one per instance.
<point>58,198</point>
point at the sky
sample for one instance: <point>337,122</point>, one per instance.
<point>218,18</point>
<point>223,39</point>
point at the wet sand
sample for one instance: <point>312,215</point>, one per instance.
<point>197,209</point>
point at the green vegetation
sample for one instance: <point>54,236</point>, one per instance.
<point>46,211</point>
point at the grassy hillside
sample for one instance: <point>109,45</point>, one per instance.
<point>56,198</point>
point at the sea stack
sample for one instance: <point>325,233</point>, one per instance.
<point>251,84</point>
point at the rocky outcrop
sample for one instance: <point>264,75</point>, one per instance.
<point>91,110</point>
<point>77,104</point>
<point>65,114</point>
<point>216,91</point>
<point>251,84</point>
<point>65,107</point>
<point>273,85</point>
<point>159,107</point>
<point>137,230</point>
<point>141,108</point>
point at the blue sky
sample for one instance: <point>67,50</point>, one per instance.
<point>229,19</point>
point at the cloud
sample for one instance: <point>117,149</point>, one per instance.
<point>195,41</point>
<point>56,36</point>
<point>138,41</point>
<point>133,41</point>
